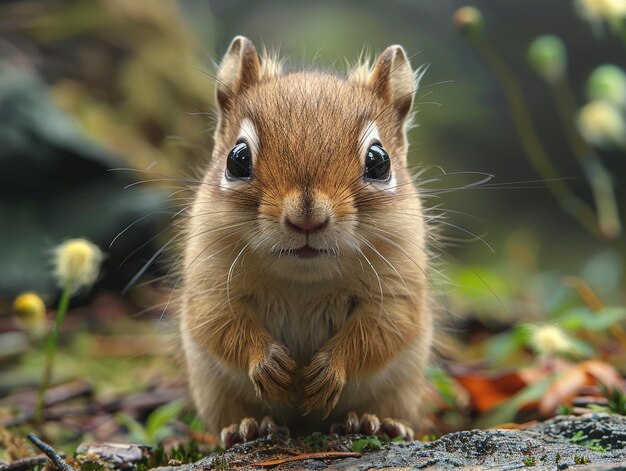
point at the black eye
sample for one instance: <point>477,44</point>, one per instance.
<point>239,162</point>
<point>377,164</point>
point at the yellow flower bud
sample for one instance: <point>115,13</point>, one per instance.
<point>550,340</point>
<point>30,312</point>
<point>468,21</point>
<point>602,9</point>
<point>602,124</point>
<point>77,261</point>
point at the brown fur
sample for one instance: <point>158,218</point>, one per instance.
<point>350,330</point>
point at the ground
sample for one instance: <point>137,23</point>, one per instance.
<point>593,441</point>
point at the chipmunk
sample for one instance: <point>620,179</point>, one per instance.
<point>305,270</point>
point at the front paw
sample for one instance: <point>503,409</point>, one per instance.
<point>271,373</point>
<point>323,380</point>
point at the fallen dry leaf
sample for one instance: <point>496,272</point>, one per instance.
<point>487,390</point>
<point>569,384</point>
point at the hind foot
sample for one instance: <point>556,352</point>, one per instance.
<point>249,429</point>
<point>370,424</point>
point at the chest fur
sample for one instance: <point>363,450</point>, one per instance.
<point>304,320</point>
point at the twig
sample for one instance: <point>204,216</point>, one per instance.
<point>321,455</point>
<point>23,464</point>
<point>50,453</point>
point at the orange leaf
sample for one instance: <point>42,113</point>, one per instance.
<point>568,385</point>
<point>563,389</point>
<point>488,390</point>
<point>604,373</point>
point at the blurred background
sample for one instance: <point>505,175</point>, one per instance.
<point>106,110</point>
<point>129,84</point>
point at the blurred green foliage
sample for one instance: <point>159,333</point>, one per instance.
<point>156,427</point>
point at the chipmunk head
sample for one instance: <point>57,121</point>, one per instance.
<point>316,162</point>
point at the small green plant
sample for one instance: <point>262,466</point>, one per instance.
<point>616,398</point>
<point>594,445</point>
<point>366,444</point>
<point>92,466</point>
<point>219,462</point>
<point>529,461</point>
<point>564,409</point>
<point>580,460</point>
<point>76,266</point>
<point>186,453</point>
<point>156,427</point>
<point>158,457</point>
<point>317,442</point>
<point>557,458</point>
<point>579,438</point>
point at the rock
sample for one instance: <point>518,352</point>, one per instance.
<point>546,446</point>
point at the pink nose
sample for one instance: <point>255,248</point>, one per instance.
<point>307,226</point>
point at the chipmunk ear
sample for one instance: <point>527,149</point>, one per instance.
<point>240,68</point>
<point>392,80</point>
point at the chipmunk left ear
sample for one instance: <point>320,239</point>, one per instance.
<point>240,68</point>
<point>392,80</point>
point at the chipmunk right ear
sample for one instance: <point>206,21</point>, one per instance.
<point>392,79</point>
<point>240,68</point>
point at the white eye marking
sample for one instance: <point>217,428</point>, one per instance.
<point>248,132</point>
<point>369,135</point>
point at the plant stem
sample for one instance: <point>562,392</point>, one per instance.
<point>599,178</point>
<point>51,348</point>
<point>533,148</point>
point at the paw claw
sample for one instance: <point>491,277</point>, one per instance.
<point>367,424</point>
<point>248,429</point>
<point>267,426</point>
<point>370,424</point>
<point>230,435</point>
<point>394,428</point>
<point>353,424</point>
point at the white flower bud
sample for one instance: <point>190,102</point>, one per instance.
<point>77,261</point>
<point>602,124</point>
<point>602,9</point>
<point>550,340</point>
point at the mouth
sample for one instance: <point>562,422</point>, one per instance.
<point>306,252</point>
